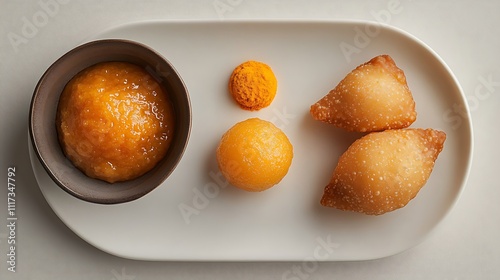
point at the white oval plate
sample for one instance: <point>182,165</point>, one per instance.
<point>194,215</point>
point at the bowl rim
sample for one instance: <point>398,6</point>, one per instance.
<point>185,136</point>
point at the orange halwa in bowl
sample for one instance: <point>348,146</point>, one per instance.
<point>110,120</point>
<point>115,121</point>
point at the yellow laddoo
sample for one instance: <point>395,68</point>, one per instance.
<point>114,121</point>
<point>253,85</point>
<point>254,155</point>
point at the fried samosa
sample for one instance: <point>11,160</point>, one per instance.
<point>383,171</point>
<point>373,97</point>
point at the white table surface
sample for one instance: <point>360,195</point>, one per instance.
<point>464,33</point>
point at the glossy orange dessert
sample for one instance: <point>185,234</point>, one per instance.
<point>254,155</point>
<point>114,121</point>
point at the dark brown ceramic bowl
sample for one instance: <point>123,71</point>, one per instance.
<point>43,109</point>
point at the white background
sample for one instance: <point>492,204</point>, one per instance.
<point>464,33</point>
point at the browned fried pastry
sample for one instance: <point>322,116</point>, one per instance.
<point>373,97</point>
<point>383,171</point>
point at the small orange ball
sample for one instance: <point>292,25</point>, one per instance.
<point>254,155</point>
<point>253,85</point>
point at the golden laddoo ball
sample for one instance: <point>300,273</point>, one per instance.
<point>254,155</point>
<point>253,85</point>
